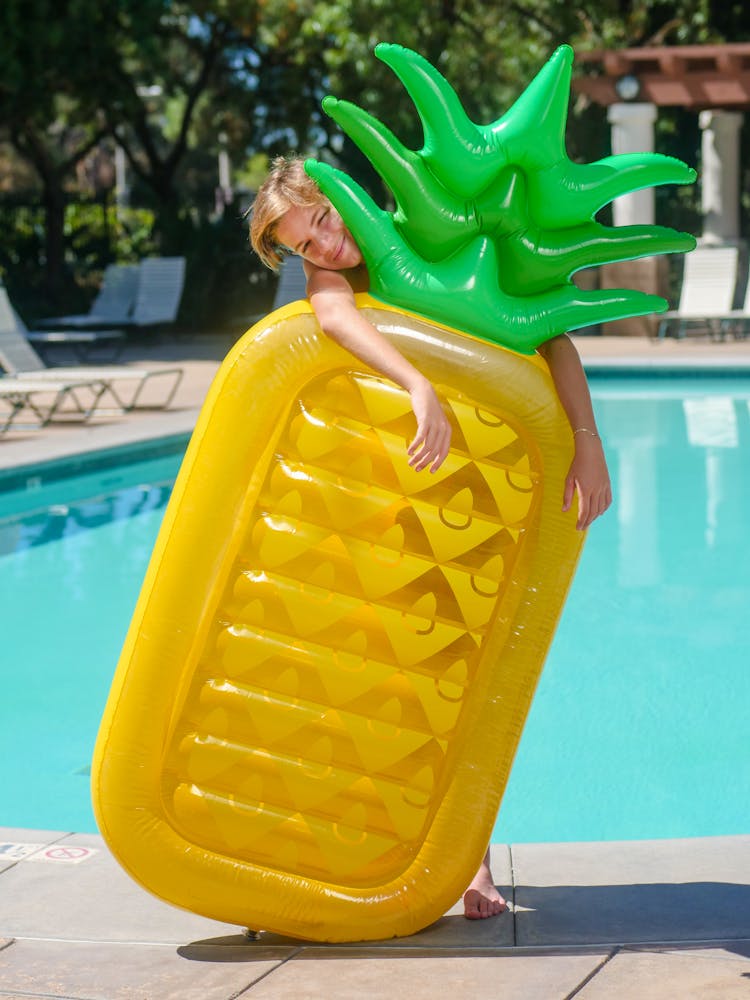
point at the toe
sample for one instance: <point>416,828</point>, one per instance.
<point>472,905</point>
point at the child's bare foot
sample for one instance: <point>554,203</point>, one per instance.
<point>482,899</point>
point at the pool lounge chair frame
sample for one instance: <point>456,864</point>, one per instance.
<point>161,281</point>
<point>736,322</point>
<point>82,343</point>
<point>47,400</point>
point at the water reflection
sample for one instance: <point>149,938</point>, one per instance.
<point>58,521</point>
<point>639,726</point>
<point>712,424</point>
<point>680,468</point>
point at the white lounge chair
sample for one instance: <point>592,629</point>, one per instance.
<point>123,384</point>
<point>112,306</point>
<point>292,282</point>
<point>161,281</point>
<point>291,286</point>
<point>707,293</point>
<point>141,297</point>
<point>736,323</point>
<point>84,333</point>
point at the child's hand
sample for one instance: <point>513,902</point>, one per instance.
<point>589,478</point>
<point>433,438</point>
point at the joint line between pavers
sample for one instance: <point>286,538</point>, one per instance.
<point>246,989</point>
<point>513,892</point>
<point>594,972</point>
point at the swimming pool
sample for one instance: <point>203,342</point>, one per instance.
<point>638,729</point>
<point>73,550</point>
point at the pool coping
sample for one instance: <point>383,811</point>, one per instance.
<point>76,463</point>
<point>618,356</point>
<point>155,432</point>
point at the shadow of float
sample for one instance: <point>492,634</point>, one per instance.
<point>549,920</point>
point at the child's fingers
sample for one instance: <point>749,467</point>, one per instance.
<point>431,449</point>
<point>584,509</point>
<point>420,453</point>
<point>568,491</point>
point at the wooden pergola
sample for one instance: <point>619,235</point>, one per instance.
<point>691,76</point>
<point>713,82</point>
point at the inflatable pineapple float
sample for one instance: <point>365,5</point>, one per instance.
<point>332,658</point>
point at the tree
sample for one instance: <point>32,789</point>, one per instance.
<point>50,121</point>
<point>166,78</point>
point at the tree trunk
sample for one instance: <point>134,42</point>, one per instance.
<point>53,200</point>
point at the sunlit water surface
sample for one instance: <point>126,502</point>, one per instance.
<point>639,725</point>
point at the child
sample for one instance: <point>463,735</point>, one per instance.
<point>291,215</point>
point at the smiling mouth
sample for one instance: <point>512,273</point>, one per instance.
<point>339,250</point>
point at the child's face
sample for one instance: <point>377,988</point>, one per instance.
<point>318,233</point>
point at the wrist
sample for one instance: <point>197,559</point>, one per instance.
<point>416,381</point>
<point>586,432</point>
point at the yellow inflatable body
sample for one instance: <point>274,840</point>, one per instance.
<point>332,658</point>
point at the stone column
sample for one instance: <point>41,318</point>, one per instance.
<point>633,132</point>
<point>720,195</point>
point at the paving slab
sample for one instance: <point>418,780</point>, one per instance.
<point>94,900</point>
<point>92,891</point>
<point>96,971</point>
<point>449,932</point>
<point>26,996</point>
<point>638,891</point>
<point>11,839</point>
<point>381,975</point>
<point>720,973</point>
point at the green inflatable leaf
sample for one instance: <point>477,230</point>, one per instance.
<point>491,221</point>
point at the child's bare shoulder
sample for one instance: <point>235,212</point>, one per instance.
<point>321,280</point>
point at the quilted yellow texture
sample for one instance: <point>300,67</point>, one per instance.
<point>329,668</point>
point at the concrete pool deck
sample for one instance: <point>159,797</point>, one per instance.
<point>653,920</point>
<point>648,920</point>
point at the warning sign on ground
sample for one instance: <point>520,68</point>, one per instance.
<point>63,855</point>
<point>60,853</point>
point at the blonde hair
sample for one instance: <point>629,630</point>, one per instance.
<point>287,184</point>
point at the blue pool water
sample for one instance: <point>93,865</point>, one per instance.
<point>72,556</point>
<point>639,726</point>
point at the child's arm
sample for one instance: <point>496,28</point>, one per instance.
<point>588,474</point>
<point>332,299</point>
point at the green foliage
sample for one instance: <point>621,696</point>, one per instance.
<point>167,77</point>
<point>95,234</point>
<point>22,246</point>
<point>98,233</point>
